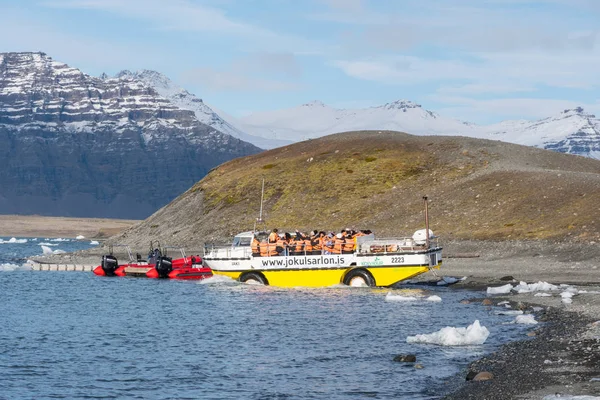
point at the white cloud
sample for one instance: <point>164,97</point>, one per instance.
<point>188,16</point>
<point>284,63</point>
<point>20,32</point>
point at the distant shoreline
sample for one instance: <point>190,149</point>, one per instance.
<point>55,227</point>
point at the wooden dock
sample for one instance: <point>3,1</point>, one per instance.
<point>36,266</point>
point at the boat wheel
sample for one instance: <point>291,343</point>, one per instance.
<point>359,278</point>
<point>254,278</point>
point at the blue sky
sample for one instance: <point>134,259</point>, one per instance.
<point>476,60</point>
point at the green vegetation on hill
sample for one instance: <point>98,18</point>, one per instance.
<point>479,189</point>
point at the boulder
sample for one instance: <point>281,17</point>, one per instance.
<point>483,376</point>
<point>405,358</point>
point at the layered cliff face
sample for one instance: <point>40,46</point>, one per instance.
<point>75,145</point>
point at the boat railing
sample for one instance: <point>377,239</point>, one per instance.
<point>216,250</point>
<point>395,245</point>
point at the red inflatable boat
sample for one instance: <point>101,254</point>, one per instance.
<point>157,266</point>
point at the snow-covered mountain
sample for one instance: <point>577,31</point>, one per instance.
<point>76,145</point>
<point>188,101</point>
<point>316,119</point>
<point>571,131</point>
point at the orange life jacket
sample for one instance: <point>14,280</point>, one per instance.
<point>298,246</point>
<point>337,245</point>
<point>317,243</point>
<point>267,249</point>
<point>348,244</point>
<point>308,246</point>
<point>273,237</point>
<point>255,245</point>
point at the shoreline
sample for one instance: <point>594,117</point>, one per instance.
<point>560,356</point>
<point>563,354</point>
<point>29,226</point>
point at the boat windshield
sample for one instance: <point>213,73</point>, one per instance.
<point>241,241</point>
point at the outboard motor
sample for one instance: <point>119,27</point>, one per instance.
<point>109,264</point>
<point>164,266</point>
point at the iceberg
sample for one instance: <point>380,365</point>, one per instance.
<point>500,289</point>
<point>473,334</point>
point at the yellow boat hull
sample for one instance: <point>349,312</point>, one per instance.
<point>320,277</point>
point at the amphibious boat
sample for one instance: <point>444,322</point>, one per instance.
<point>370,262</point>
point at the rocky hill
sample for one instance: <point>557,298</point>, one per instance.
<point>479,189</point>
<point>572,131</point>
<point>75,145</point>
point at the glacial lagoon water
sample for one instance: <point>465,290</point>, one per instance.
<point>73,335</point>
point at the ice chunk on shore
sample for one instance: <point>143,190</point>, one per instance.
<point>449,280</point>
<point>500,289</point>
<point>524,287</point>
<point>80,237</point>
<point>525,319</point>
<point>542,294</point>
<point>509,312</point>
<point>449,336</point>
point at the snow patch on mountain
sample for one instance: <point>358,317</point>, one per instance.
<point>188,101</point>
<point>571,131</point>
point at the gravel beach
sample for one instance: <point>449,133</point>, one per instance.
<point>560,356</point>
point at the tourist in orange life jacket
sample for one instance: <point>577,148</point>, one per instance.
<point>255,246</point>
<point>297,245</point>
<point>348,245</point>
<point>267,249</point>
<point>328,242</point>
<point>338,242</point>
<point>273,236</point>
<point>282,247</point>
<point>317,242</point>
<point>307,248</point>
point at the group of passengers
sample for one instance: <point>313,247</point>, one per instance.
<point>299,243</point>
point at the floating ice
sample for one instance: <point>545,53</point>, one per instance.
<point>509,312</point>
<point>59,240</point>
<point>504,302</point>
<point>80,237</point>
<point>569,397</point>
<point>525,319</point>
<point>218,279</point>
<point>399,297</point>
<point>8,267</point>
<point>524,287</point>
<point>48,244</point>
<point>13,240</point>
<point>541,294</point>
<point>434,298</point>
<point>94,242</point>
<point>449,336</point>
<point>500,289</point>
<point>47,251</point>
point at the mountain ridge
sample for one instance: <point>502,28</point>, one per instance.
<point>570,131</point>
<point>96,147</point>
